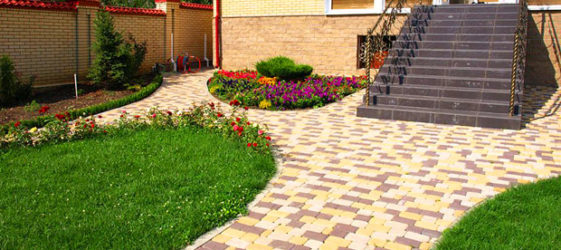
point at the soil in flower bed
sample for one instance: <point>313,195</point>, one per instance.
<point>62,98</point>
<point>248,88</point>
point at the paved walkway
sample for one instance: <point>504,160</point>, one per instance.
<point>350,182</point>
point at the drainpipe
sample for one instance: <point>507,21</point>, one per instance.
<point>217,34</point>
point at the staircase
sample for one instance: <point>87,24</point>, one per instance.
<point>450,65</point>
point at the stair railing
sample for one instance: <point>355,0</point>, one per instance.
<point>519,56</point>
<point>375,43</point>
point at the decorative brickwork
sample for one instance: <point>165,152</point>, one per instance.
<point>51,40</point>
<point>328,43</point>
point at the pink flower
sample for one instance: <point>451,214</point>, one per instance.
<point>260,132</point>
<point>236,127</point>
<point>154,115</point>
<point>124,111</point>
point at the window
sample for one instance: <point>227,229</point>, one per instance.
<point>379,58</point>
<point>351,4</point>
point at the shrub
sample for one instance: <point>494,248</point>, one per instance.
<point>283,68</point>
<point>116,61</point>
<point>12,89</point>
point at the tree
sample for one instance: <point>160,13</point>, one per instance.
<point>114,62</point>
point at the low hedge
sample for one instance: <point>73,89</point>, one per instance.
<point>91,110</point>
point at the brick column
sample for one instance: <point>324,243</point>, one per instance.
<point>171,7</point>
<point>85,13</point>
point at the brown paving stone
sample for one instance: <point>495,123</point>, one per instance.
<point>387,165</point>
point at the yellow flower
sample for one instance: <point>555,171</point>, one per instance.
<point>33,130</point>
<point>265,104</point>
<point>267,80</point>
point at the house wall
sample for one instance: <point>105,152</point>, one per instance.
<point>44,42</point>
<point>543,61</point>
<point>234,8</point>
<point>328,43</point>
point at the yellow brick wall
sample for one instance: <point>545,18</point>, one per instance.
<point>543,62</point>
<point>328,43</point>
<point>231,8</point>
<point>40,42</point>
<point>191,27</point>
<point>149,29</point>
<point>43,42</point>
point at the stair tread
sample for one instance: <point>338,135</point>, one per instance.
<point>452,77</point>
<point>460,50</point>
<point>448,68</point>
<point>464,89</point>
<point>445,111</point>
<point>447,99</point>
<point>425,41</point>
<point>453,59</point>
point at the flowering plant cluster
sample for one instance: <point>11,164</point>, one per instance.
<point>272,93</point>
<point>206,116</point>
<point>242,74</point>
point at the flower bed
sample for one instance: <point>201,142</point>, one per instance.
<point>251,89</point>
<point>207,116</point>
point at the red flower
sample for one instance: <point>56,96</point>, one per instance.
<point>248,123</point>
<point>99,116</point>
<point>255,144</point>
<point>93,125</point>
<point>234,103</point>
<point>233,123</point>
<point>267,144</point>
<point>246,108</point>
<point>219,115</point>
<point>121,116</point>
<point>60,117</point>
<point>136,116</point>
<point>154,115</point>
<point>268,138</point>
<point>211,104</point>
<point>85,125</point>
<point>169,112</point>
<point>105,131</point>
<point>249,145</point>
<point>238,119</point>
<point>44,109</point>
<point>240,129</point>
<point>17,124</point>
<point>235,128</point>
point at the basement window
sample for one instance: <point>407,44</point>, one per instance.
<point>378,59</point>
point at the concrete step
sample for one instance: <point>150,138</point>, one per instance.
<point>452,53</point>
<point>496,30</point>
<point>437,15</point>
<point>459,23</point>
<point>449,62</point>
<point>443,81</point>
<point>405,44</point>
<point>468,72</point>
<point>501,107</point>
<point>475,37</point>
<point>452,117</point>
<point>442,91</point>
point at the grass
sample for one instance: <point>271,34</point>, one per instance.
<point>149,189</point>
<point>523,217</point>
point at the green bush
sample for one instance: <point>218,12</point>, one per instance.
<point>12,89</point>
<point>283,68</point>
<point>116,61</point>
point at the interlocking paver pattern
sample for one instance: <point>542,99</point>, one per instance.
<point>349,182</point>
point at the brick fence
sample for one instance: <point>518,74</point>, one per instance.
<point>52,41</point>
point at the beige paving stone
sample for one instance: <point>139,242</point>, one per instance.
<point>380,168</point>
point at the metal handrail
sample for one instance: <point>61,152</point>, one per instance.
<point>519,54</point>
<point>375,43</point>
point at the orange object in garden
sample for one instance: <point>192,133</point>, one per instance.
<point>378,59</point>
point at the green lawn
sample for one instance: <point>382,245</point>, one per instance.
<point>524,217</point>
<point>154,189</point>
